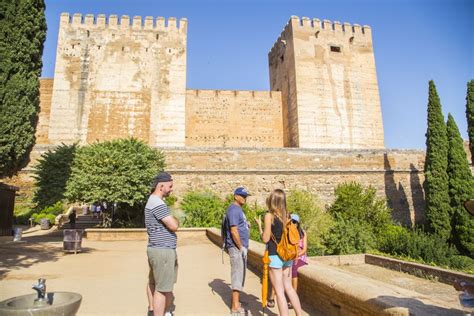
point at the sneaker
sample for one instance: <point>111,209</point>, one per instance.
<point>240,312</point>
<point>150,313</point>
<point>168,314</point>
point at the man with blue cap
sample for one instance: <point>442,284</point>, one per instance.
<point>237,244</point>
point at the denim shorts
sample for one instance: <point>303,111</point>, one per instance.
<point>277,263</point>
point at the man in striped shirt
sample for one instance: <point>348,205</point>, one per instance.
<point>161,227</point>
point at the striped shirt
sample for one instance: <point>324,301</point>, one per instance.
<point>159,236</point>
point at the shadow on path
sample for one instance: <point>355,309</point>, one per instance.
<point>249,302</point>
<point>32,250</point>
<point>417,307</point>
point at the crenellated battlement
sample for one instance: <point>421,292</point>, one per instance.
<point>327,25</point>
<point>101,21</point>
<point>316,25</point>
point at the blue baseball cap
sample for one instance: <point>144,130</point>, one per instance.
<point>295,217</point>
<point>241,191</point>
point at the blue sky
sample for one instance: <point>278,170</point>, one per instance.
<point>228,43</point>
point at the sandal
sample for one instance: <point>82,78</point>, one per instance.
<point>270,303</point>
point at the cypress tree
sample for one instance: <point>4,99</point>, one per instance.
<point>470,116</point>
<point>438,210</point>
<point>22,35</point>
<point>461,188</point>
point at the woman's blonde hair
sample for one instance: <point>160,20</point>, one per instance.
<point>276,203</point>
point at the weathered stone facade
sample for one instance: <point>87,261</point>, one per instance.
<point>233,119</point>
<point>326,72</point>
<point>114,79</point>
<point>118,78</point>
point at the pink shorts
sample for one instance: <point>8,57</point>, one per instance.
<point>296,265</point>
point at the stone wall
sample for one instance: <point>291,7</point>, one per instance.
<point>397,174</point>
<point>218,118</point>
<point>117,78</point>
<point>326,72</point>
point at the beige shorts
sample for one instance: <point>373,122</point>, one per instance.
<point>163,264</point>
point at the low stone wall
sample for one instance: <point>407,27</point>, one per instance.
<point>417,269</point>
<point>331,291</point>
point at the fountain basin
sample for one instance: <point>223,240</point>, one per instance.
<point>58,303</point>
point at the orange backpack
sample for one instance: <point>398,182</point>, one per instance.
<point>287,248</point>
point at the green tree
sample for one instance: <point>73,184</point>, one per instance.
<point>22,34</point>
<point>438,210</point>
<point>51,174</point>
<point>117,171</point>
<point>470,116</point>
<point>461,189</point>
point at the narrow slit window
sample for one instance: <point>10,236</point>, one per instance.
<point>336,49</point>
<point>282,58</point>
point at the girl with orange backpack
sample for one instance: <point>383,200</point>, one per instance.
<point>276,221</point>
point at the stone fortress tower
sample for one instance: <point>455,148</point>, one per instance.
<point>326,73</point>
<point>318,126</point>
<point>117,78</point>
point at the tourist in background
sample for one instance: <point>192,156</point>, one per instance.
<point>280,271</point>
<point>161,227</point>
<point>302,249</point>
<point>72,219</point>
<point>237,244</point>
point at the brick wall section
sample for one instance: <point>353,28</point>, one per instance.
<point>46,93</point>
<point>222,118</point>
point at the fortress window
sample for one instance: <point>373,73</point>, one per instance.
<point>335,49</point>
<point>157,36</point>
<point>123,48</point>
<point>351,40</point>
<point>316,34</point>
<point>88,33</point>
<point>98,46</point>
<point>72,46</point>
<point>282,58</point>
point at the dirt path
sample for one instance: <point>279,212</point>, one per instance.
<point>111,276</point>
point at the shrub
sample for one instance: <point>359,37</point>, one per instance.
<point>202,209</point>
<point>356,203</point>
<point>314,220</point>
<point>348,237</point>
<point>360,219</point>
<point>417,244</point>
<point>49,212</point>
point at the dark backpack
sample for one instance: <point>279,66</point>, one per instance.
<point>224,229</point>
